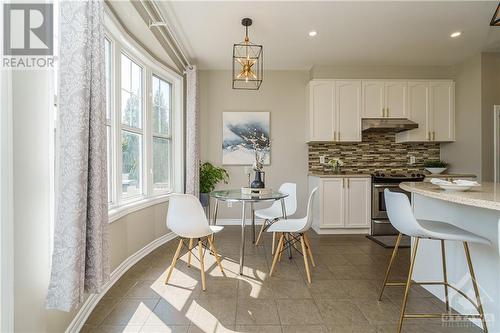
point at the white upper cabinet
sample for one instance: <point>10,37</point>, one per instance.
<point>348,110</point>
<point>442,107</point>
<point>321,111</point>
<point>395,93</point>
<point>336,108</point>
<point>431,104</point>
<point>373,99</point>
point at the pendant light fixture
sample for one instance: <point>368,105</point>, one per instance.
<point>247,62</point>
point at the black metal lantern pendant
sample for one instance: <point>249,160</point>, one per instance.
<point>247,62</point>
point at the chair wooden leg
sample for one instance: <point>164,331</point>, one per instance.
<point>281,252</point>
<point>260,232</point>
<point>393,256</point>
<point>189,252</point>
<point>476,288</point>
<point>408,285</point>
<point>304,254</point>
<point>274,241</point>
<point>202,264</point>
<point>174,261</point>
<point>445,277</point>
<point>277,254</point>
<point>214,250</point>
<point>308,246</point>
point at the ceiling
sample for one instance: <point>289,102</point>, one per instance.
<point>349,33</point>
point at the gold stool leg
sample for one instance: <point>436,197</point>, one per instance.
<point>394,253</point>
<point>189,251</point>
<point>274,241</point>
<point>174,261</point>
<point>445,276</point>
<point>202,264</point>
<point>408,285</point>
<point>474,285</point>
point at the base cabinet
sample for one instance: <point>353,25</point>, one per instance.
<point>343,204</point>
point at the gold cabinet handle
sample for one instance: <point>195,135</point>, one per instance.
<point>433,136</point>
<point>334,135</point>
<point>347,182</point>
<point>338,136</point>
<point>387,112</point>
<point>429,136</point>
<point>383,112</point>
<point>343,182</point>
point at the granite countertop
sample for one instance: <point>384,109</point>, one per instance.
<point>451,175</point>
<point>340,175</point>
<point>485,196</point>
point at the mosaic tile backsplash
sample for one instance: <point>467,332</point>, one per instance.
<point>378,151</point>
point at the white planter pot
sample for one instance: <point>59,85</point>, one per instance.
<point>435,171</point>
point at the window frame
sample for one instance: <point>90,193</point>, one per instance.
<point>122,43</point>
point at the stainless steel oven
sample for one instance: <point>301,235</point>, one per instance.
<point>378,201</point>
<point>380,221</point>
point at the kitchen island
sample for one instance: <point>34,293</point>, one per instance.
<point>477,211</point>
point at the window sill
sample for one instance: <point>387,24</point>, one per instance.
<point>117,212</point>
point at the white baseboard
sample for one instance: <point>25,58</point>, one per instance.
<point>238,222</point>
<point>90,303</point>
<point>341,231</point>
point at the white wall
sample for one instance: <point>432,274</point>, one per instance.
<point>283,94</point>
<point>464,155</point>
<point>32,139</point>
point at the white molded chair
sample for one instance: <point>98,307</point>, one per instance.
<point>274,213</point>
<point>186,218</point>
<point>401,217</point>
<point>293,231</point>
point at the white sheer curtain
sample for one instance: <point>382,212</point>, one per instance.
<point>80,257</point>
<point>192,132</point>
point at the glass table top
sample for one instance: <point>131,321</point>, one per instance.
<point>236,195</point>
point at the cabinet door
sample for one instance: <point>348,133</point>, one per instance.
<point>321,111</point>
<point>418,110</point>
<point>395,99</point>
<point>358,203</point>
<point>373,99</point>
<point>442,109</point>
<point>348,109</point>
<point>332,203</point>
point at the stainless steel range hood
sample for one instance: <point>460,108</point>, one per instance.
<point>387,124</point>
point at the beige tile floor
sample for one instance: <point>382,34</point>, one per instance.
<point>342,297</point>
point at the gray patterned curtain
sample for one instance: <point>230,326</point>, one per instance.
<point>80,257</point>
<point>192,133</point>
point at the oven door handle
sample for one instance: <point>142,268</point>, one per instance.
<point>385,185</point>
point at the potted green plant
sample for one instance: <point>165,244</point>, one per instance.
<point>210,176</point>
<point>435,166</point>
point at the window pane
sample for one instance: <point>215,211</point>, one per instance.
<point>161,102</point>
<point>131,93</point>
<point>109,160</point>
<point>107,55</point>
<point>161,164</point>
<point>131,164</point>
<point>136,79</point>
<point>125,72</point>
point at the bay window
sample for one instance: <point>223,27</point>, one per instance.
<point>144,125</point>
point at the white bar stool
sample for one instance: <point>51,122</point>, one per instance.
<point>275,212</point>
<point>401,217</point>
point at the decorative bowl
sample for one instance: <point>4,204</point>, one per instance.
<point>456,187</point>
<point>435,171</point>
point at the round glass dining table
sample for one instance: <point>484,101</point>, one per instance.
<point>235,195</point>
